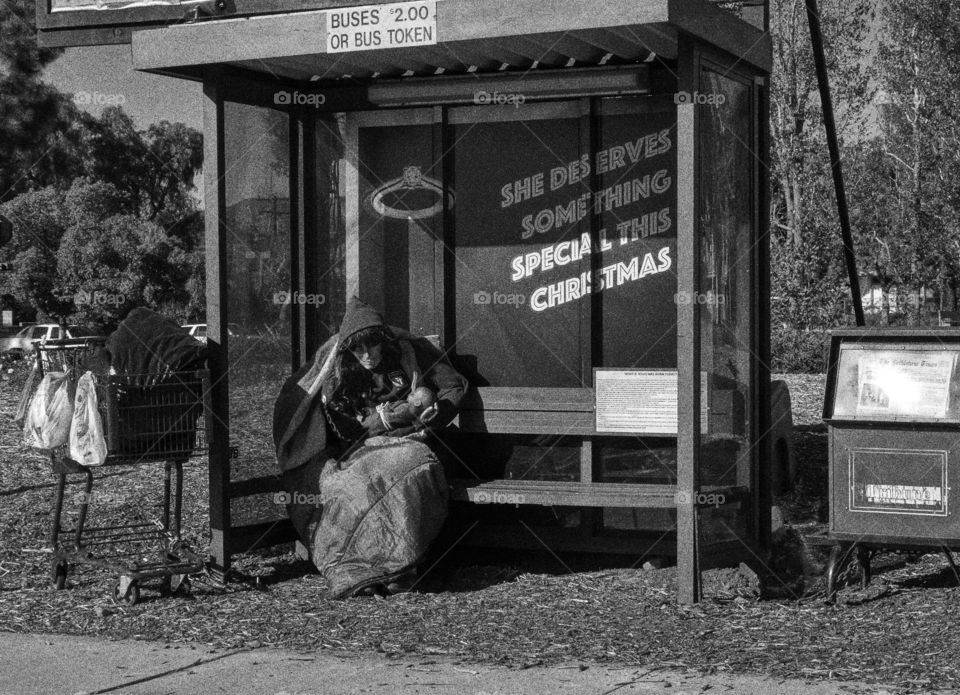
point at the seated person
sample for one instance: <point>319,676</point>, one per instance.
<point>353,428</point>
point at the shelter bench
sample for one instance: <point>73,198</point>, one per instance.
<point>560,412</point>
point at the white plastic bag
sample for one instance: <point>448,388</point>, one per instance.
<point>47,425</point>
<point>87,444</point>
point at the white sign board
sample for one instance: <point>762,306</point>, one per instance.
<point>641,401</point>
<point>373,27</point>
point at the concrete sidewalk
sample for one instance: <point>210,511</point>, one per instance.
<point>62,664</point>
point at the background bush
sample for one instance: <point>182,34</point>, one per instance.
<point>799,351</point>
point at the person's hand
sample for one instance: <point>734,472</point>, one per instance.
<point>397,414</point>
<point>429,414</point>
<point>422,400</point>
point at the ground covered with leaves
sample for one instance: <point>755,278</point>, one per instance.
<point>901,630</point>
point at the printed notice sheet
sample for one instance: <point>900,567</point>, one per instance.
<point>640,401</point>
<point>905,382</point>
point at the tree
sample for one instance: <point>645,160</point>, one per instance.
<point>122,262</point>
<point>154,168</point>
<point>808,274</point>
<point>39,225</point>
<point>35,119</point>
<point>916,158</point>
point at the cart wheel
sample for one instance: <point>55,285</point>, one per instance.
<point>179,588</point>
<point>132,597</point>
<point>60,575</point>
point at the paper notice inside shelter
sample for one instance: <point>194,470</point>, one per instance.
<point>641,401</point>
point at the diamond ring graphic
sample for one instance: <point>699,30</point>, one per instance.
<point>412,179</point>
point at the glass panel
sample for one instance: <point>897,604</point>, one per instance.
<point>874,383</point>
<point>637,164</point>
<point>728,168</point>
<point>638,460</point>
<point>649,461</point>
<point>515,457</point>
<point>522,246</point>
<point>325,252</point>
<point>257,166</point>
<point>399,205</point>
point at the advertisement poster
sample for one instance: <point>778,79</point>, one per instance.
<point>905,383</point>
<point>401,200</point>
<point>535,287</point>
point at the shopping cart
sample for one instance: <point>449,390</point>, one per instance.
<point>147,419</point>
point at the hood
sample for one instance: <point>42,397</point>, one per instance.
<point>357,317</point>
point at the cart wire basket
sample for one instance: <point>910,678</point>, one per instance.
<point>147,419</point>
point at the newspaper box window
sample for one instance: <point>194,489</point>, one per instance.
<point>569,200</point>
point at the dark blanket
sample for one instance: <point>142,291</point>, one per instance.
<point>147,343</point>
<point>378,515</point>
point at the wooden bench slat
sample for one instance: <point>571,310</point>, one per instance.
<point>528,398</point>
<point>574,494</point>
<point>527,422</point>
<point>255,486</point>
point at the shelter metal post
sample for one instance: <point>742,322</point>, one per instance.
<point>217,340</point>
<point>688,339</point>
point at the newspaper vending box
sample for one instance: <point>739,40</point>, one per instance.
<point>892,409</point>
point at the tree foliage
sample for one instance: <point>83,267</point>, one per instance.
<point>808,275</point>
<point>37,123</point>
<point>91,198</point>
<point>84,256</point>
<point>910,212</point>
<point>154,169</point>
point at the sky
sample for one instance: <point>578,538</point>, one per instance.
<point>106,74</point>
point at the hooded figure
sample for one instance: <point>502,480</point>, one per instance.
<point>337,395</point>
<point>343,428</point>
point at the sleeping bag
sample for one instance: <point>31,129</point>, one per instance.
<point>381,509</point>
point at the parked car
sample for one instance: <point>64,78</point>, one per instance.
<point>23,343</point>
<point>199,331</point>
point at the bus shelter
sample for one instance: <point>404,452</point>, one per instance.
<point>569,196</point>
